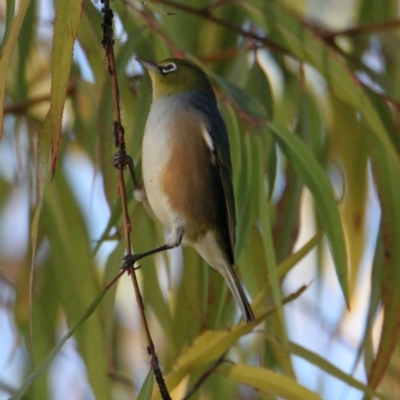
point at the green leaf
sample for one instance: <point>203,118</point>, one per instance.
<point>207,347</point>
<point>25,42</point>
<point>347,134</point>
<point>258,84</point>
<point>246,182</point>
<point>326,366</point>
<point>8,49</point>
<point>386,176</point>
<point>89,37</point>
<point>152,7</point>
<point>266,231</point>
<point>245,102</point>
<point>304,44</point>
<point>68,16</point>
<point>147,387</point>
<point>286,265</point>
<point>316,180</point>
<point>47,361</point>
<point>75,276</point>
<point>366,348</point>
<point>10,11</point>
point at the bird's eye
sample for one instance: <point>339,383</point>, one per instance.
<point>170,67</point>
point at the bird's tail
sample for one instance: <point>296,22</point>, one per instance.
<point>238,293</point>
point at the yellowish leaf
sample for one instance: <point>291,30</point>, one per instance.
<point>267,382</point>
<point>8,51</point>
<point>68,15</point>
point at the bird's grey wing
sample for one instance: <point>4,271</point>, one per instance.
<point>226,181</point>
<point>222,161</point>
<point>216,136</point>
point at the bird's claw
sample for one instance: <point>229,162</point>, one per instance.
<point>121,159</point>
<point>129,261</point>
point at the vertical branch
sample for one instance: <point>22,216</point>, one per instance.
<point>119,141</point>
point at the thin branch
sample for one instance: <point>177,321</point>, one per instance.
<point>155,26</point>
<point>207,373</point>
<point>219,3</point>
<point>121,379</point>
<point>364,29</point>
<point>287,299</point>
<point>108,43</point>
<point>22,106</point>
<point>230,53</point>
<point>327,36</point>
<point>5,387</point>
<point>206,14</point>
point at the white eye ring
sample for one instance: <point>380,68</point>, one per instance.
<point>170,67</point>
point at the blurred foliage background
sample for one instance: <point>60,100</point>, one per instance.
<point>310,92</point>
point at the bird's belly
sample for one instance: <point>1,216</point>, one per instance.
<point>179,180</point>
<point>155,158</point>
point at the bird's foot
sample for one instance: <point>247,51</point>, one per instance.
<point>121,160</point>
<point>129,261</point>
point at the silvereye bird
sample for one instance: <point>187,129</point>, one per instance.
<point>187,171</point>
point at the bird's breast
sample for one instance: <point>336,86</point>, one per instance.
<point>156,153</point>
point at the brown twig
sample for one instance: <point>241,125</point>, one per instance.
<point>221,359</point>
<point>327,36</point>
<point>155,26</point>
<point>204,377</point>
<point>206,14</point>
<point>219,3</point>
<point>358,64</point>
<point>22,106</point>
<point>230,53</point>
<point>364,29</point>
<point>108,43</point>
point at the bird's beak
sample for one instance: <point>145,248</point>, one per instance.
<point>149,65</point>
